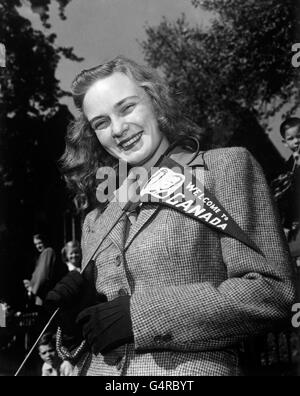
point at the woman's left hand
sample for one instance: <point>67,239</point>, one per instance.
<point>107,325</point>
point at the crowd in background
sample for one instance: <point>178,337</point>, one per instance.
<point>49,269</point>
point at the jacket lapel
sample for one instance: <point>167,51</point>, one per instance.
<point>102,229</point>
<point>148,210</point>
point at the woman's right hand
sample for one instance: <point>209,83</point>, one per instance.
<point>72,294</point>
<point>66,292</point>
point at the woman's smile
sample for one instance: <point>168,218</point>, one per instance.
<point>131,142</point>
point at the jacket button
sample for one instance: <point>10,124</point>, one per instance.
<point>118,261</point>
<point>158,339</point>
<point>122,292</point>
<point>167,337</point>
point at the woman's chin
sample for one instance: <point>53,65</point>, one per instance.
<point>136,158</point>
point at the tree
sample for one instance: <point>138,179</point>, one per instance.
<point>29,88</point>
<point>32,127</point>
<point>239,65</point>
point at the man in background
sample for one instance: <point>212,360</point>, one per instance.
<point>43,278</point>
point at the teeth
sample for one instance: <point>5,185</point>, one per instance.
<point>131,141</point>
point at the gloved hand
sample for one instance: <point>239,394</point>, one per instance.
<point>72,294</point>
<point>108,325</point>
<point>66,291</point>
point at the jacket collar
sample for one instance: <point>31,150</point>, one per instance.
<point>185,158</point>
<point>149,210</point>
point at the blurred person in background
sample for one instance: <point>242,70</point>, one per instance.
<point>53,366</point>
<point>286,186</point>
<point>71,255</point>
<point>44,275</point>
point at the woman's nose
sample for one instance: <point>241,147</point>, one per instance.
<point>118,127</point>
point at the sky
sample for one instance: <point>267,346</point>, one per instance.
<point>101,29</point>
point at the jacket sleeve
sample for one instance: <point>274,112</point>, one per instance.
<point>68,347</point>
<point>259,291</point>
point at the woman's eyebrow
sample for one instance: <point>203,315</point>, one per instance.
<point>121,102</point>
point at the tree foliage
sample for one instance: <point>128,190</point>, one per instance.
<point>240,62</point>
<point>28,83</point>
<point>32,127</point>
<point>30,91</point>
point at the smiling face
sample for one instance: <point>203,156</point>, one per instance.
<point>74,255</point>
<point>39,244</point>
<point>122,116</point>
<point>292,138</point>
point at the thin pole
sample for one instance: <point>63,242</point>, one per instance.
<point>36,342</point>
<point>81,272</point>
<point>73,229</point>
<point>65,228</point>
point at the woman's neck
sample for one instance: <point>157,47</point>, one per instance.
<point>162,148</point>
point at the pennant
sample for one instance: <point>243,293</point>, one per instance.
<point>177,187</point>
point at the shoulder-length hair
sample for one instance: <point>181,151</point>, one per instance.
<point>84,155</point>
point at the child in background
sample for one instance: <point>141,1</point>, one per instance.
<point>286,186</point>
<point>290,133</point>
<point>71,255</point>
<point>53,366</point>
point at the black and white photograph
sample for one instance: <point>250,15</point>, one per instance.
<point>150,190</point>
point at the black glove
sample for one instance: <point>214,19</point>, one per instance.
<point>65,291</point>
<point>72,294</point>
<point>108,325</point>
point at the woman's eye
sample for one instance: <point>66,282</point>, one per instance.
<point>128,108</point>
<point>101,125</point>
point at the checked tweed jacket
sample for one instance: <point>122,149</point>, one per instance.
<point>195,293</point>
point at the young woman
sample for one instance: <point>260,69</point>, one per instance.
<point>180,296</point>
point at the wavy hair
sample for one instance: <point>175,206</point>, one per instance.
<point>84,155</point>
